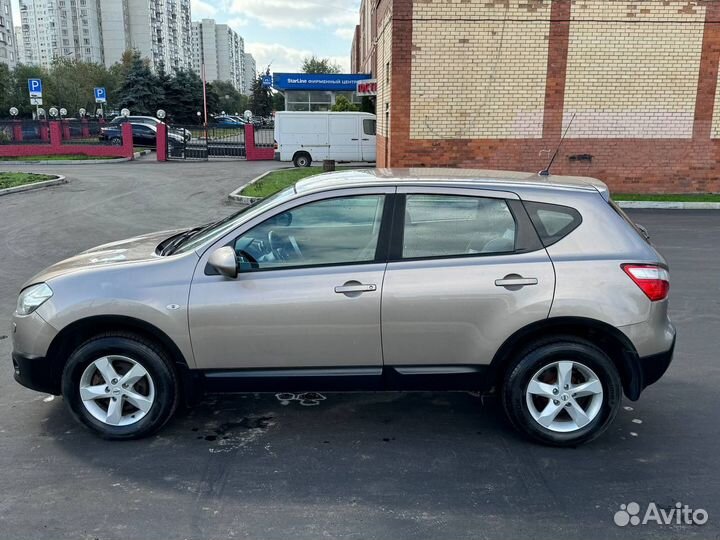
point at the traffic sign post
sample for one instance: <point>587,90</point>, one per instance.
<point>35,90</point>
<point>100,96</point>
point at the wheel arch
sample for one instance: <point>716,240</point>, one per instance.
<point>77,332</point>
<point>301,153</point>
<point>608,338</point>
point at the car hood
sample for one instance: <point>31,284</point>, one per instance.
<point>131,250</point>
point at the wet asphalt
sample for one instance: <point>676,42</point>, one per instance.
<point>363,465</point>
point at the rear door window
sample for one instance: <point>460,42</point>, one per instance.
<point>453,225</point>
<point>552,222</point>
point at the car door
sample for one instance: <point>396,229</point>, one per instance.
<point>143,135</point>
<point>368,144</point>
<point>309,293</point>
<point>466,271</point>
<point>344,137</point>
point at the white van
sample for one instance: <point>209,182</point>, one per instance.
<point>304,137</point>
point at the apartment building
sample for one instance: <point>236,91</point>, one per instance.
<point>158,29</point>
<point>250,74</point>
<point>222,51</point>
<point>53,29</point>
<point>19,45</point>
<point>8,49</point>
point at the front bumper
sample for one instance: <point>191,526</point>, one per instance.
<point>35,373</point>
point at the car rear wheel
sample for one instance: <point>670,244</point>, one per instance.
<point>116,141</point>
<point>120,386</point>
<point>302,159</point>
<point>562,391</point>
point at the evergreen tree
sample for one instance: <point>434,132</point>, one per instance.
<point>139,89</point>
<point>261,101</point>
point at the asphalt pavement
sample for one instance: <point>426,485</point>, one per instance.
<point>361,466</point>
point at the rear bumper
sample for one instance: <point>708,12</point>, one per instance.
<point>647,370</point>
<point>654,366</point>
<point>33,372</point>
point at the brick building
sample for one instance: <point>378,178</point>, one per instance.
<point>495,83</point>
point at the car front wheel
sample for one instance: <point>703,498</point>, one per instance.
<point>120,386</point>
<point>562,391</point>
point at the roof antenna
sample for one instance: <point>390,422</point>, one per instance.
<point>546,170</point>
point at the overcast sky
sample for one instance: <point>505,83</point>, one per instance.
<point>282,31</point>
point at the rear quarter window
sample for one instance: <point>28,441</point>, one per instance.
<point>553,222</point>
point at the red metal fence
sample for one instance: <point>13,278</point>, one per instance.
<point>19,138</point>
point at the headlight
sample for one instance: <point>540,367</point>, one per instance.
<point>32,298</point>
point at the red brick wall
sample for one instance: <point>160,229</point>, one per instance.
<point>626,164</point>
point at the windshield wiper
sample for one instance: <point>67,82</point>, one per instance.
<point>179,239</point>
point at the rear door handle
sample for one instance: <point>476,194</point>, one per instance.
<point>355,288</point>
<point>515,281</point>
<point>353,139</point>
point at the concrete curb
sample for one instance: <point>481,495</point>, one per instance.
<point>243,199</point>
<point>60,179</point>
<point>670,205</point>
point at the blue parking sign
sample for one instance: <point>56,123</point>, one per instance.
<point>100,95</point>
<point>35,88</point>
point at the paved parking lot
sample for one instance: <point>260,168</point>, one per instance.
<point>365,466</point>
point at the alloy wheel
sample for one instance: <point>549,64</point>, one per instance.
<point>117,390</point>
<point>564,396</point>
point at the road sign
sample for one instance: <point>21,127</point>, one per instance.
<point>35,88</point>
<point>100,95</point>
<point>35,101</point>
<point>267,81</point>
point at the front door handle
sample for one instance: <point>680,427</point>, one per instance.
<point>355,287</point>
<point>513,280</point>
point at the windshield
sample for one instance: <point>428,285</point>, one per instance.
<point>219,228</point>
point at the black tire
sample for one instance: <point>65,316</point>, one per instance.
<point>543,353</point>
<point>302,159</point>
<point>116,141</point>
<point>151,357</point>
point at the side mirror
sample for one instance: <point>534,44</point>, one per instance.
<point>223,260</point>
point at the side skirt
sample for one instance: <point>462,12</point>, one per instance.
<point>475,377</point>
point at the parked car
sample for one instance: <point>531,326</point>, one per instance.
<point>304,137</point>
<point>143,135</point>
<point>151,121</point>
<point>228,122</point>
<point>541,290</point>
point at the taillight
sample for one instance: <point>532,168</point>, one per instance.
<point>652,279</point>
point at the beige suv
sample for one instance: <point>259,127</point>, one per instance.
<point>537,287</point>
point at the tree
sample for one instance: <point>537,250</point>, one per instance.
<point>70,84</point>
<point>278,101</point>
<point>343,104</point>
<point>313,64</point>
<point>139,89</point>
<point>229,99</point>
<point>261,102</point>
<point>6,88</point>
<point>18,93</point>
<point>184,97</point>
